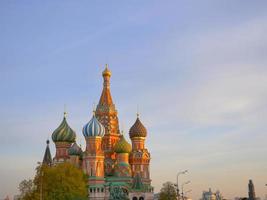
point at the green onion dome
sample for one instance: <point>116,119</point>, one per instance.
<point>75,150</point>
<point>122,146</point>
<point>64,133</point>
<point>138,129</point>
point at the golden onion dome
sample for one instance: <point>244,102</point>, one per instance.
<point>122,146</point>
<point>138,129</point>
<point>106,72</point>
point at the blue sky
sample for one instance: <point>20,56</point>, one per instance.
<point>196,69</point>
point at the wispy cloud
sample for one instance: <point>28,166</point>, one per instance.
<point>221,116</point>
<point>201,91</point>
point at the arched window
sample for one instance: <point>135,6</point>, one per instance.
<point>141,198</point>
<point>135,198</point>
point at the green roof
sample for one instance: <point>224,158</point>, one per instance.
<point>122,146</point>
<point>64,133</point>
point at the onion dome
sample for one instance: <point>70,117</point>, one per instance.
<point>138,129</point>
<point>122,146</point>
<point>106,72</point>
<point>64,133</point>
<point>93,128</point>
<point>75,150</point>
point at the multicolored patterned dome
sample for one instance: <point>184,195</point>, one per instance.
<point>138,129</point>
<point>122,146</point>
<point>64,133</point>
<point>75,150</point>
<point>93,128</point>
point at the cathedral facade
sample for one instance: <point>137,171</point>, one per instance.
<point>115,168</point>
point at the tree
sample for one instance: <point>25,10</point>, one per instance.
<point>168,192</point>
<point>62,181</point>
<point>26,187</point>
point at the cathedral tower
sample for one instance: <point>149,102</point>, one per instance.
<point>63,137</point>
<point>115,169</point>
<point>75,154</point>
<point>139,157</point>
<point>106,113</point>
<point>93,159</point>
<point>47,160</point>
<point>122,167</point>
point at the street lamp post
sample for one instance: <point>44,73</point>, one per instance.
<point>178,174</point>
<point>187,182</point>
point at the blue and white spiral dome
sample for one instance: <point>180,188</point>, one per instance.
<point>93,128</point>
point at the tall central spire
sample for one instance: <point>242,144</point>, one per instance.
<point>106,99</point>
<point>106,113</point>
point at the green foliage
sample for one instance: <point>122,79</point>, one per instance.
<point>168,192</point>
<point>60,182</point>
<point>26,188</point>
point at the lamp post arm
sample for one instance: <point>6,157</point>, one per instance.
<point>177,183</point>
<point>187,182</point>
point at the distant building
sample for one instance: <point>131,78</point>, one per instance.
<point>251,191</point>
<point>209,195</point>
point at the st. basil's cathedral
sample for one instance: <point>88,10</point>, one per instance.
<point>115,168</point>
